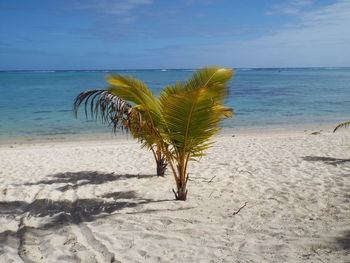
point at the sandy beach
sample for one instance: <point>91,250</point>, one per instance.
<point>254,198</point>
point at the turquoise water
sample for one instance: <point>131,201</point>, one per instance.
<point>39,104</point>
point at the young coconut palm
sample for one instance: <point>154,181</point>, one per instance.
<point>120,114</point>
<point>191,112</point>
<point>180,123</point>
<point>342,125</point>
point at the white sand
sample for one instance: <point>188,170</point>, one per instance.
<point>98,201</point>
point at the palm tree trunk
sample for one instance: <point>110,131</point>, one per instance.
<point>161,163</point>
<point>160,159</point>
<point>181,193</point>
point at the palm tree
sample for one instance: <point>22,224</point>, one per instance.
<point>342,125</point>
<point>178,126</point>
<point>119,114</point>
<point>191,112</point>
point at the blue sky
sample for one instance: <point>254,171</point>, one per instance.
<point>144,34</point>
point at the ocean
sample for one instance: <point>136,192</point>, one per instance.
<point>38,104</point>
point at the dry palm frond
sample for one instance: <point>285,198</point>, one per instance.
<point>342,125</point>
<point>104,105</point>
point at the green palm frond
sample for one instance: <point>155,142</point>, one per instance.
<point>225,111</point>
<point>209,77</point>
<point>145,129</point>
<point>142,130</point>
<point>137,92</point>
<point>191,121</point>
<point>193,109</point>
<point>342,125</point>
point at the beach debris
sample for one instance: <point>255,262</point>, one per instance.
<point>239,170</point>
<point>211,193</point>
<point>236,212</point>
<point>342,125</point>
<point>209,181</point>
<point>315,133</point>
<point>201,177</point>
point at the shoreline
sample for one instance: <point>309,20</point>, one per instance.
<point>120,137</point>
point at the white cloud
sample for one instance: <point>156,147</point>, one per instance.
<point>113,7</point>
<point>320,38</point>
<point>289,7</point>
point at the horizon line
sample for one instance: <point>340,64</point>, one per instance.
<point>161,69</point>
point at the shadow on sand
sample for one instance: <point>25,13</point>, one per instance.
<point>31,220</point>
<point>81,210</point>
<point>326,160</point>
<point>55,215</point>
<point>344,241</point>
<point>75,180</point>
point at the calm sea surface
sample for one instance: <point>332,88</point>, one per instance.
<point>39,104</point>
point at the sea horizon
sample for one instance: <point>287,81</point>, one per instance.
<point>156,69</point>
